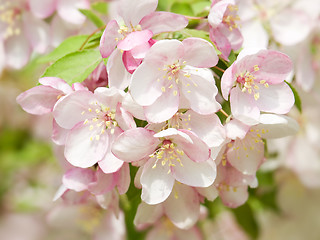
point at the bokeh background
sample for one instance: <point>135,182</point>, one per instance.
<point>284,206</point>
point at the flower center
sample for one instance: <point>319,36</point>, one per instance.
<point>104,120</point>
<point>247,82</point>
<point>230,17</point>
<point>125,31</point>
<point>169,154</point>
<point>9,15</point>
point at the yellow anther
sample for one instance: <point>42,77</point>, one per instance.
<point>85,121</point>
<point>112,131</point>
<point>163,89</point>
<point>266,85</point>
<point>97,137</point>
<point>262,81</point>
<point>175,93</point>
<point>169,78</point>
<point>91,127</point>
<point>89,109</point>
<point>97,110</point>
<point>256,96</point>
<point>256,68</point>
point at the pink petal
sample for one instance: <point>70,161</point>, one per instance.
<point>108,40</point>
<point>124,179</point>
<point>17,51</point>
<point>221,41</point>
<point>276,126</point>
<point>59,134</point>
<point>183,207</point>
<point>69,10</point>
<point>243,107</point>
<point>210,193</point>
<point>42,9</point>
<point>227,81</point>
<point>200,174</point>
<point>56,83</point>
<point>156,182</point>
<point>197,151</point>
<point>165,52</point>
<point>159,22</point>
<point>147,214</point>
<point>207,127</point>
<point>274,66</point>
<point>38,33</point>
<point>234,198</point>
<point>82,149</point>
<point>124,118</point>
<point>68,111</point>
<point>201,91</point>
<point>135,39</point>
<point>133,11</point>
<point>118,76</point>
<point>103,184</point>
<point>39,100</point>
<point>130,62</point>
<point>199,53</point>
<point>134,144</point>
<point>285,32</point>
<point>164,107</point>
<point>145,88</point>
<point>236,129</point>
<point>246,155</point>
<point>78,179</point>
<point>110,163</point>
<point>276,98</point>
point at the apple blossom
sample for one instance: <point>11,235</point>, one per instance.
<point>172,72</point>
<point>255,83</point>
<point>94,120</point>
<point>224,31</point>
<point>173,155</point>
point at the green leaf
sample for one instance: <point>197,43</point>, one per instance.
<point>245,218</point>
<point>182,8</point>
<point>101,7</point>
<point>201,8</point>
<point>69,45</point>
<point>74,67</point>
<point>297,99</point>
<point>92,17</point>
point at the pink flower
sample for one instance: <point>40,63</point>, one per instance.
<point>174,72</point>
<point>224,30</point>
<point>21,33</point>
<point>94,120</point>
<point>140,23</point>
<point>172,155</point>
<point>256,83</point>
<point>245,152</point>
<point>133,36</point>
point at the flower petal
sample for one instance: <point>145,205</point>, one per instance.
<point>243,107</point>
<point>183,207</point>
<point>108,39</point>
<point>277,98</point>
<point>68,111</point>
<point>134,10</point>
<point>147,214</point>
<point>69,10</point>
<point>134,144</point>
<point>199,53</point>
<point>135,39</point>
<point>78,179</point>
<point>201,91</point>
<point>164,107</point>
<point>159,22</point>
<point>42,9</point>
<point>156,182</point>
<point>200,174</point>
<point>145,87</point>
<point>39,100</point>
<point>82,149</point>
<point>276,126</point>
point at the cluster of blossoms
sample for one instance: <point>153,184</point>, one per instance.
<point>155,109</point>
<point>25,28</point>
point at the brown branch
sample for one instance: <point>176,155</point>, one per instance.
<point>97,30</point>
